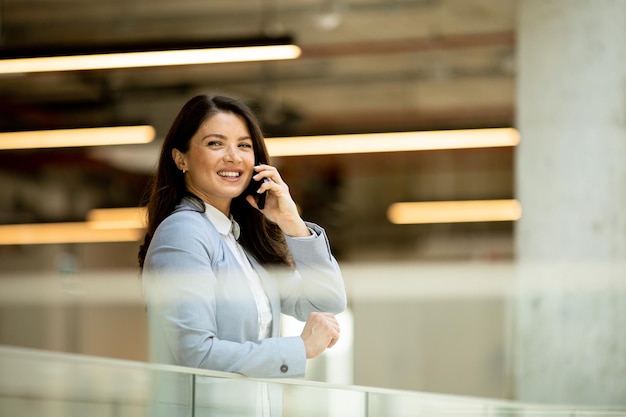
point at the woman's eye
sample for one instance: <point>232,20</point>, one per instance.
<point>213,143</point>
<point>246,145</point>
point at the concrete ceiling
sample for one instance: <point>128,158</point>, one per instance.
<point>366,65</point>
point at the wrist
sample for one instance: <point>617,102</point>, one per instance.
<point>306,348</point>
<point>296,229</point>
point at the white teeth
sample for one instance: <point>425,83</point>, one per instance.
<point>228,174</point>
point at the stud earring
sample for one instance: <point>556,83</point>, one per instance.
<point>184,171</point>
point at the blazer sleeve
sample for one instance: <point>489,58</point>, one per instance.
<point>317,284</point>
<point>180,290</point>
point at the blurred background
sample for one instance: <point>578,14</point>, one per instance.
<point>429,303</point>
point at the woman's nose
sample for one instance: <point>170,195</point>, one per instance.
<point>231,154</point>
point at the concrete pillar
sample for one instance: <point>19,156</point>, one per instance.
<point>569,311</point>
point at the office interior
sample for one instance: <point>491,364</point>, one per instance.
<point>528,307</point>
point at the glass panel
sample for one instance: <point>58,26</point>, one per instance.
<point>171,394</point>
<point>38,383</point>
<point>385,403</point>
<point>314,400</point>
<point>406,404</point>
<point>225,397</point>
<point>34,384</point>
<point>247,397</point>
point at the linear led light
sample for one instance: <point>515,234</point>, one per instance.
<point>117,218</point>
<point>76,232</point>
<point>97,136</point>
<point>102,225</point>
<point>393,142</point>
<point>147,55</point>
<point>454,211</point>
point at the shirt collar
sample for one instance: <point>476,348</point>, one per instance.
<point>223,224</point>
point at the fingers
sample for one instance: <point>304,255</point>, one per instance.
<point>320,332</point>
<point>280,208</point>
<point>268,172</point>
<point>269,180</point>
<point>332,342</point>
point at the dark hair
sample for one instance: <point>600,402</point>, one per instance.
<point>260,237</point>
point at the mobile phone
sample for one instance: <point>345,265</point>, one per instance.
<point>252,190</point>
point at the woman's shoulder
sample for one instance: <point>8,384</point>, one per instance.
<point>184,232</point>
<point>188,214</point>
<point>187,222</point>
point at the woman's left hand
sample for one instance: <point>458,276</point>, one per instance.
<point>279,206</point>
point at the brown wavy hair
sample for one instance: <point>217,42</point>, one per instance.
<point>261,238</point>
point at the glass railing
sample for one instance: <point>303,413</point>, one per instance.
<point>41,383</point>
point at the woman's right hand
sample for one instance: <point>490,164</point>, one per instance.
<point>321,331</point>
<point>279,207</point>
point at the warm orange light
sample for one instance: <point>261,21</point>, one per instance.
<point>117,218</point>
<point>454,211</point>
<point>97,136</point>
<point>102,225</point>
<point>79,232</point>
<point>149,59</point>
<point>392,142</point>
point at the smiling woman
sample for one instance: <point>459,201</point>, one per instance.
<point>218,269</point>
<point>219,162</point>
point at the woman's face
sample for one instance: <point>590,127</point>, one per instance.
<point>219,163</point>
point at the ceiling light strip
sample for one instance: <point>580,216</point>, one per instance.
<point>393,142</point>
<point>454,211</point>
<point>118,218</point>
<point>50,233</point>
<point>100,136</point>
<point>103,225</point>
<point>149,59</point>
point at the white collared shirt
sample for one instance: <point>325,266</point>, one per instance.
<point>229,230</point>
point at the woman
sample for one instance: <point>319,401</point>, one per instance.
<point>218,269</point>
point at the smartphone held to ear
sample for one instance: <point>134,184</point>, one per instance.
<point>252,190</point>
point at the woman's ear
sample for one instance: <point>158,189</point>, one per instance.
<point>179,159</point>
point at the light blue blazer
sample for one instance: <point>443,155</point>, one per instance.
<point>202,312</point>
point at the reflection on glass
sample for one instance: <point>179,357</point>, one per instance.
<point>40,383</point>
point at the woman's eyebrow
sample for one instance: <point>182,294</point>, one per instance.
<point>214,135</point>
<point>220,136</point>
